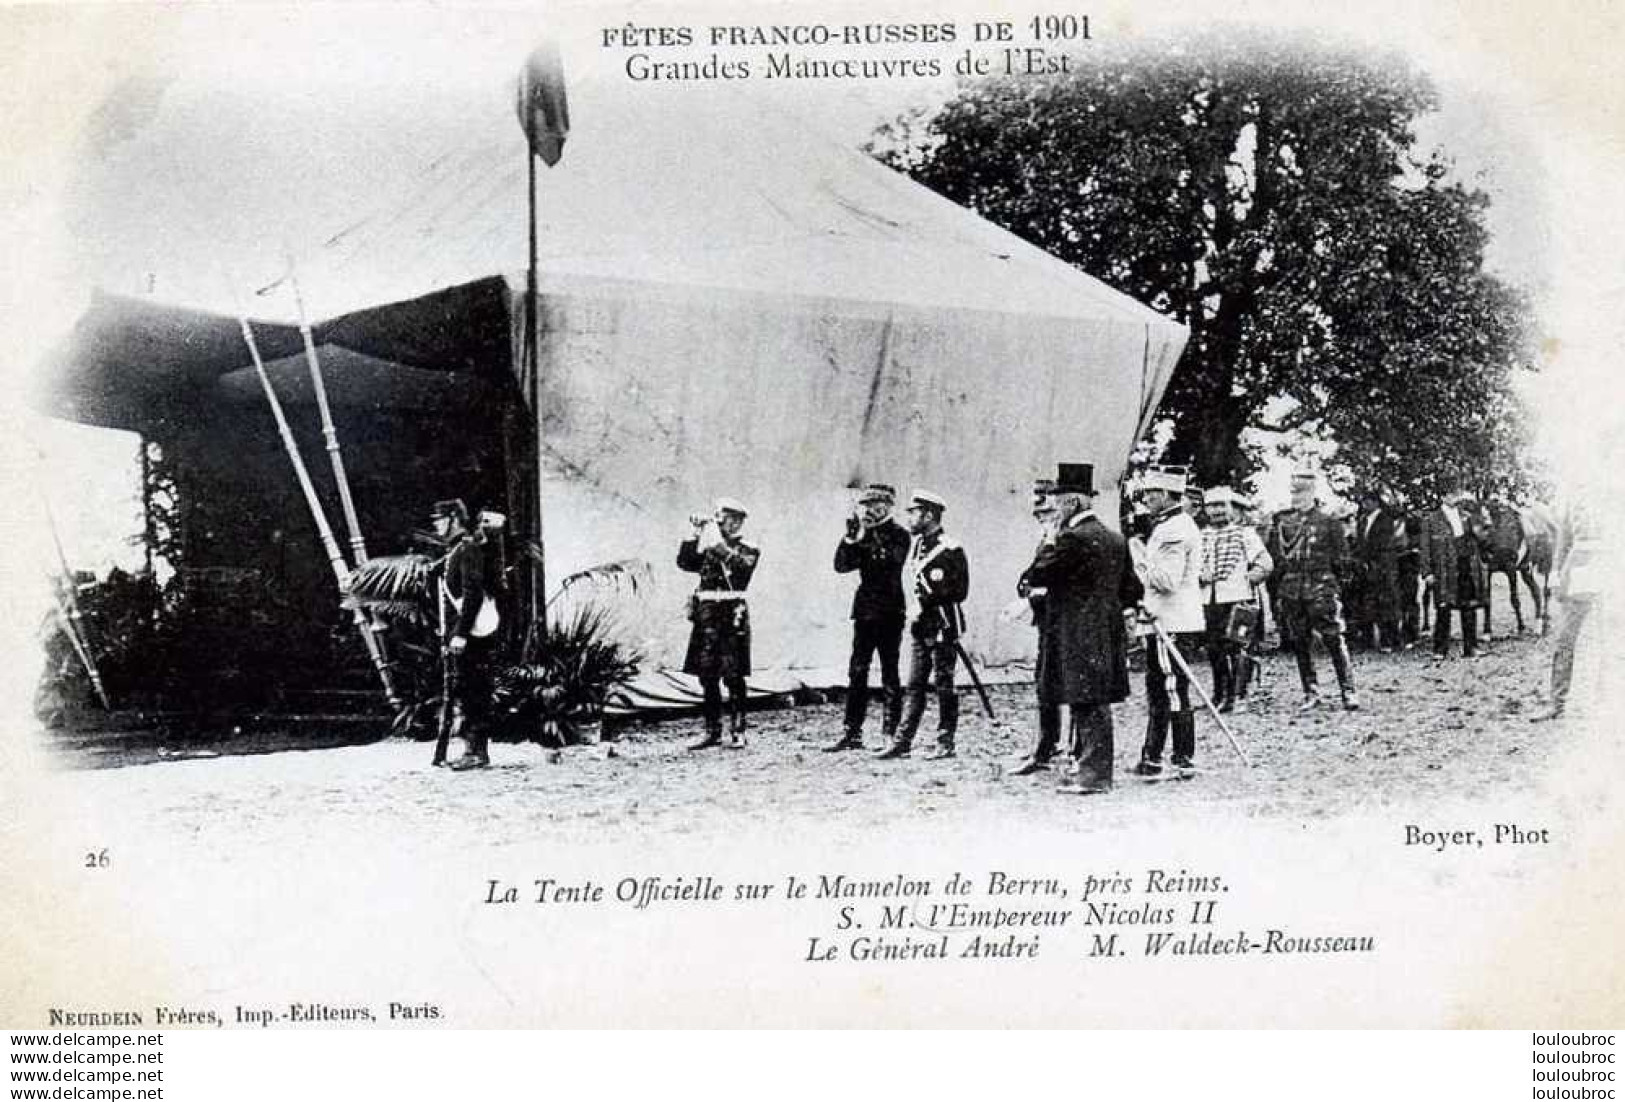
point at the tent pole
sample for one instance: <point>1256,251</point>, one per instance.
<point>330,434</point>
<point>537,628</point>
<point>73,624</point>
<point>335,557</point>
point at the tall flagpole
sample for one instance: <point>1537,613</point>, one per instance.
<point>537,618</point>
<point>545,118</point>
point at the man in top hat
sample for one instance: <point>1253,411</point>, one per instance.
<point>1453,538</point>
<point>468,620</point>
<point>1234,564</point>
<point>936,578</point>
<point>1169,566</point>
<point>875,546</point>
<point>1087,580</point>
<point>719,641</point>
<point>1379,541</point>
<point>1310,553</point>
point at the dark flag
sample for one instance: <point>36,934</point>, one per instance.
<point>542,110</point>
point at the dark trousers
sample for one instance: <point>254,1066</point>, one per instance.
<point>1169,712</point>
<point>1306,617</point>
<point>711,702</point>
<point>1092,742</point>
<point>1372,634</point>
<point>1469,630</point>
<point>931,665</point>
<point>1049,731</point>
<point>1223,654</point>
<point>465,696</point>
<point>869,638</point>
<point>1410,611</point>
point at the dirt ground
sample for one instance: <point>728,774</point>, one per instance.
<point>1456,729</point>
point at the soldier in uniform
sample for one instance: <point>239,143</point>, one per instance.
<point>875,546</point>
<point>1169,566</point>
<point>1234,564</point>
<point>719,641</point>
<point>468,616</point>
<point>1310,553</point>
<point>1453,539</point>
<point>1084,569</point>
<point>936,578</point>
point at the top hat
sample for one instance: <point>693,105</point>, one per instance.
<point>1075,478</point>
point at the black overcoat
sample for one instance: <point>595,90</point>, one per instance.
<point>1082,643</point>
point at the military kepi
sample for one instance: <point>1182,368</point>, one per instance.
<point>1075,478</point>
<point>925,499</point>
<point>878,491</point>
<point>731,505</point>
<point>450,507</point>
<point>1171,479</point>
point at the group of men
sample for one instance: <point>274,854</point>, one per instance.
<point>1183,587</point>
<point>916,577</point>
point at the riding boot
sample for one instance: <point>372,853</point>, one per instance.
<point>1184,732</point>
<point>712,736</point>
<point>736,712</point>
<point>947,724</point>
<point>475,756</point>
<point>894,713</point>
<point>1341,664</point>
<point>904,740</point>
<point>1306,667</point>
<point>1223,683</point>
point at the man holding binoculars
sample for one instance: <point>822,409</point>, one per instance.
<point>719,641</point>
<point>875,546</point>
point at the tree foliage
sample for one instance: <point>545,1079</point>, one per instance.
<point>1271,197</point>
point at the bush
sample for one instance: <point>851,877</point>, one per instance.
<point>550,701</point>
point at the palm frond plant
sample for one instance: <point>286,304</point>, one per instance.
<point>553,699</point>
<point>632,574</point>
<point>393,586</point>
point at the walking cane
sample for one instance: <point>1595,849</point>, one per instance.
<point>1179,660</point>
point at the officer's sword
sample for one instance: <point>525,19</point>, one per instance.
<point>1179,660</point>
<point>959,649</point>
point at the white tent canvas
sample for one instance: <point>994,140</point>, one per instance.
<point>731,303</point>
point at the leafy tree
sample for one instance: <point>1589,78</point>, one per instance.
<point>1269,196</point>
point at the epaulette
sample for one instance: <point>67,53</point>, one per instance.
<point>948,543</point>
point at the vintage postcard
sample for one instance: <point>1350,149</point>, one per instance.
<point>811,514</point>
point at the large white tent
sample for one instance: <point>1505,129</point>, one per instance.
<point>731,303</point>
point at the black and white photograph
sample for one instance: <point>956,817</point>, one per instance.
<point>811,515</point>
